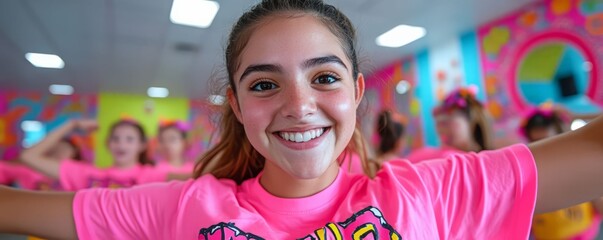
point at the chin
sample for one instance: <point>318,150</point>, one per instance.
<point>308,171</point>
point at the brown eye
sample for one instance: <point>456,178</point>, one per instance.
<point>326,79</point>
<point>263,86</point>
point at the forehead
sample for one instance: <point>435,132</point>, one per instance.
<point>170,131</point>
<point>124,129</point>
<point>445,115</point>
<point>289,40</point>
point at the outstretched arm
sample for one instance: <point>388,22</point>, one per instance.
<point>43,214</point>
<point>570,167</point>
<point>36,156</point>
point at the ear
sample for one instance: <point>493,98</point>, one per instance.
<point>359,89</point>
<point>234,103</point>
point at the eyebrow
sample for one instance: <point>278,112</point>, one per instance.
<point>261,68</point>
<point>323,60</point>
<point>275,68</point>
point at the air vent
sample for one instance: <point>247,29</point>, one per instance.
<point>186,47</point>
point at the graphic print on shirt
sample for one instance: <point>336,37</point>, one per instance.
<point>225,231</point>
<point>110,183</point>
<point>366,224</point>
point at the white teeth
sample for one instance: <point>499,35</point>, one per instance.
<point>299,137</point>
<point>302,136</point>
<point>307,136</point>
<point>285,136</point>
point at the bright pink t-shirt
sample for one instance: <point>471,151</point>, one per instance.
<point>352,164</point>
<point>77,176</point>
<point>429,153</point>
<point>490,195</point>
<point>21,176</point>
<point>187,167</point>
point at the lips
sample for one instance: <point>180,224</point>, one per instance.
<point>119,153</point>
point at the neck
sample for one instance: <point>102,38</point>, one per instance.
<point>281,184</point>
<point>176,161</point>
<point>129,164</point>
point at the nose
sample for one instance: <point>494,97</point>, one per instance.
<point>300,102</point>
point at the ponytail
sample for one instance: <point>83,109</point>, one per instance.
<point>233,157</point>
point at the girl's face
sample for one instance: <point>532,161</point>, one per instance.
<point>295,95</point>
<point>125,144</point>
<point>454,130</point>
<point>171,143</point>
<point>62,151</point>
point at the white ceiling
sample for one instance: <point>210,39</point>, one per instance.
<point>129,45</point>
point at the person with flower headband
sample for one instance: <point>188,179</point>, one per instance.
<point>172,139</point>
<point>579,222</point>
<point>22,176</point>
<point>544,121</point>
<point>127,144</point>
<point>462,124</point>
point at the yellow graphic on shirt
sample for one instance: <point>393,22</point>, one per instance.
<point>368,223</point>
<point>565,223</point>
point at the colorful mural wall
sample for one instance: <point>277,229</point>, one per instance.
<point>382,94</point>
<point>548,51</point>
<point>203,118</point>
<point>51,110</point>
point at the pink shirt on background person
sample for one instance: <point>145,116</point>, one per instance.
<point>187,167</point>
<point>76,176</point>
<point>430,153</point>
<point>21,176</point>
<point>490,195</point>
<point>4,180</point>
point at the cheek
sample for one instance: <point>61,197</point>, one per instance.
<point>460,128</point>
<point>341,108</point>
<point>256,114</point>
<point>112,146</point>
<point>342,111</point>
<point>440,128</point>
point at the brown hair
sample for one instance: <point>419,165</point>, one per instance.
<point>234,157</point>
<point>390,131</point>
<point>143,159</point>
<point>77,156</point>
<point>542,119</point>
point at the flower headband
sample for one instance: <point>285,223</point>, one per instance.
<point>458,99</point>
<point>179,124</point>
<point>128,119</point>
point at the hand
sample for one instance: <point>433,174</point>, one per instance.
<point>86,124</point>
